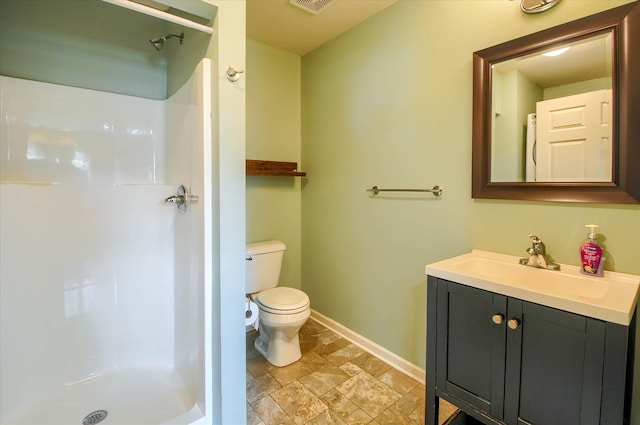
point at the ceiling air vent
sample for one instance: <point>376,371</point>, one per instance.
<point>311,6</point>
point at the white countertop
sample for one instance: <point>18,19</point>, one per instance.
<point>611,298</point>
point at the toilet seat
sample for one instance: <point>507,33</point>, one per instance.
<point>282,300</point>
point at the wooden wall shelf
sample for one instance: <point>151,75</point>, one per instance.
<point>273,168</point>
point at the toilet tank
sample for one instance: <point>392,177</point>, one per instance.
<point>263,263</point>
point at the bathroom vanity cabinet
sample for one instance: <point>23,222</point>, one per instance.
<point>503,360</point>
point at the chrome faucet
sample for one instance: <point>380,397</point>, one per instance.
<point>537,255</point>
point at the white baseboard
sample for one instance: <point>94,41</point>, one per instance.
<point>371,347</point>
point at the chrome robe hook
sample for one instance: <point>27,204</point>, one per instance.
<point>234,73</point>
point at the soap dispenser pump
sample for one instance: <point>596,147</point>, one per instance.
<point>591,258</point>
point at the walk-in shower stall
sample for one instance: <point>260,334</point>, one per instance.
<point>105,296</point>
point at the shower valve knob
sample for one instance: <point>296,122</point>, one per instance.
<point>182,199</point>
<point>174,200</point>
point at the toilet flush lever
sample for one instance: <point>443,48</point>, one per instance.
<point>181,199</point>
<point>249,258</point>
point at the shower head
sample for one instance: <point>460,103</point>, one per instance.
<point>158,43</point>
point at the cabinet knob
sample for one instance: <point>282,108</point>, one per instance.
<point>513,323</point>
<point>497,319</point>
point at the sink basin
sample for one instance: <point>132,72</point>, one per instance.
<point>612,297</point>
<point>558,282</point>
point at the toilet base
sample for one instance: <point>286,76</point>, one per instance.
<point>278,348</point>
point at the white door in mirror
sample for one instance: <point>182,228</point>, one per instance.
<point>574,138</point>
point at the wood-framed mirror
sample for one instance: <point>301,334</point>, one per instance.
<point>513,157</point>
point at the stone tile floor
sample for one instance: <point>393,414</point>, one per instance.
<point>335,382</point>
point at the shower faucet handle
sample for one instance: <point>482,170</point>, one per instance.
<point>175,199</point>
<point>182,199</point>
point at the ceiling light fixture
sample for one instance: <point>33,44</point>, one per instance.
<point>556,52</point>
<point>537,6</point>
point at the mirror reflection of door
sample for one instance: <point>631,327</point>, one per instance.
<point>521,85</point>
<point>574,138</point>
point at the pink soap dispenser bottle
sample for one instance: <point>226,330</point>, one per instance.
<point>591,258</point>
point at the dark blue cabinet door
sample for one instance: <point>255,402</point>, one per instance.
<point>471,346</point>
<point>554,366</point>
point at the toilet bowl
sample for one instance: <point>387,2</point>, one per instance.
<point>279,324</point>
<point>282,310</point>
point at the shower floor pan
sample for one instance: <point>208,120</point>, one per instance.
<point>141,397</point>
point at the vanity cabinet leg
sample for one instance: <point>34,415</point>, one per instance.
<point>431,408</point>
<point>432,402</point>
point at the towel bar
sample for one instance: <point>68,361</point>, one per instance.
<point>437,190</point>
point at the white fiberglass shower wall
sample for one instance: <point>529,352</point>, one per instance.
<point>104,296</point>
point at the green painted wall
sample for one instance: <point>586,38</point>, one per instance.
<point>273,133</point>
<point>379,107</point>
<point>389,103</point>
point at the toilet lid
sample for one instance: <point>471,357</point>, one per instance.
<point>283,300</point>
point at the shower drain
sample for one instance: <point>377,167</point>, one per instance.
<point>94,417</point>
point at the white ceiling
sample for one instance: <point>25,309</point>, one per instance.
<point>279,24</point>
<point>587,59</point>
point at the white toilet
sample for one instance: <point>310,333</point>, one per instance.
<point>282,310</point>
